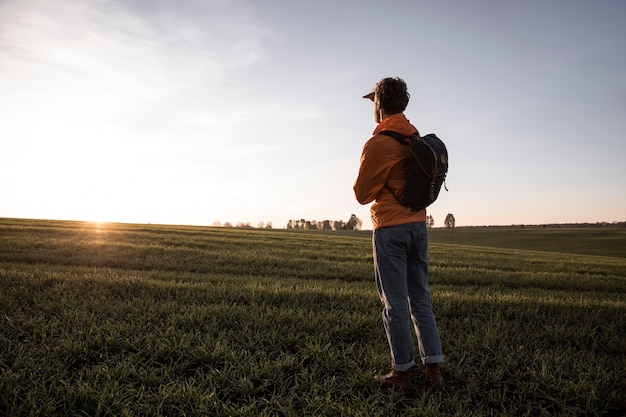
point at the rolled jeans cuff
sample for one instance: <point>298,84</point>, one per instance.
<point>404,367</point>
<point>430,360</point>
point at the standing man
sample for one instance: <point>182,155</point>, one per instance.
<point>400,242</point>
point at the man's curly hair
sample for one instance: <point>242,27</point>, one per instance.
<point>392,94</point>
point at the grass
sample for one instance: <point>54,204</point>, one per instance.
<point>115,320</point>
<point>601,241</point>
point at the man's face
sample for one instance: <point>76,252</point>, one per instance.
<point>377,113</point>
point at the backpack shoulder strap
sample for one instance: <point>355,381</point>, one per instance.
<point>397,136</point>
<point>403,140</point>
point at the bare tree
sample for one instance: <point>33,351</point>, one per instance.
<point>354,223</point>
<point>430,222</point>
<point>449,222</point>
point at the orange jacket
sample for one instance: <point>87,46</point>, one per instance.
<point>385,160</point>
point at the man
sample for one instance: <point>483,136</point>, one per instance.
<point>400,242</point>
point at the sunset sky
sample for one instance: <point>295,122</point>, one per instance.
<point>195,112</point>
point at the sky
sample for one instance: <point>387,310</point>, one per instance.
<point>197,112</point>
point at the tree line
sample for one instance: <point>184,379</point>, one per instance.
<point>354,223</point>
<point>261,225</point>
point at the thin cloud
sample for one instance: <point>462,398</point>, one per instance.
<point>122,58</point>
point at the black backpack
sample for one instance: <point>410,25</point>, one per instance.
<point>428,166</point>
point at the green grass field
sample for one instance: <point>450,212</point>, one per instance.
<point>599,241</point>
<point>147,320</point>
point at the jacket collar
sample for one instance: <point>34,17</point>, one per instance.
<point>397,123</point>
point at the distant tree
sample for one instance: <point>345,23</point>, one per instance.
<point>354,223</point>
<point>449,222</point>
<point>430,222</point>
<point>268,225</point>
<point>228,224</point>
<point>339,225</point>
<point>217,224</point>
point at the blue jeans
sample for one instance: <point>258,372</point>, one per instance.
<point>401,269</point>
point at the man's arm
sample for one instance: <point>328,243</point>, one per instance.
<point>373,172</point>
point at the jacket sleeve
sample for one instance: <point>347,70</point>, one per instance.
<point>373,172</point>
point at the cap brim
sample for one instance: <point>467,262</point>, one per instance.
<point>370,96</point>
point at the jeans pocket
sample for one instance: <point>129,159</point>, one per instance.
<point>391,242</point>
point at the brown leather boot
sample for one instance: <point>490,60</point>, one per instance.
<point>396,379</point>
<point>433,376</point>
